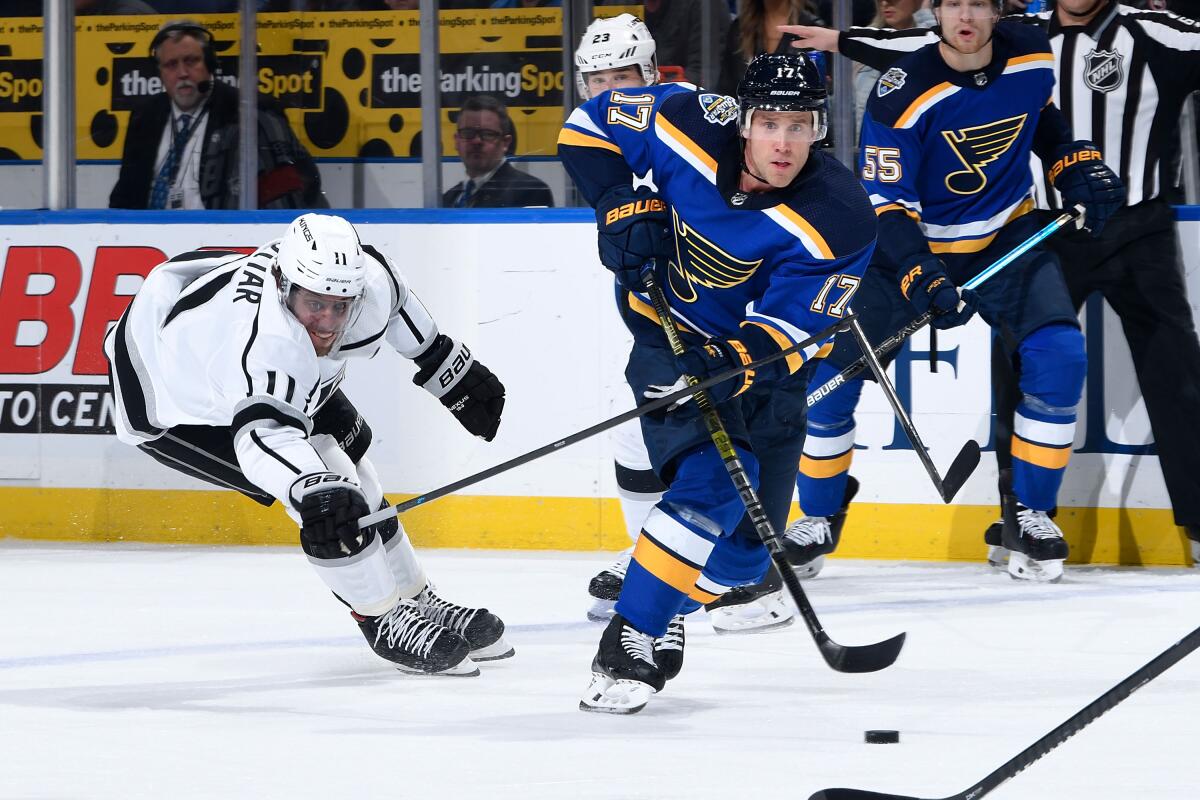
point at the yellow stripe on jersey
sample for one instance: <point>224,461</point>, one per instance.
<point>702,597</point>
<point>975,245</point>
<point>573,137</point>
<point>916,107</point>
<point>881,210</point>
<point>794,361</point>
<point>1040,455</point>
<point>665,565</point>
<point>1031,58</point>
<point>825,350</point>
<point>800,222</point>
<point>640,306</point>
<point>664,125</point>
<point>826,467</point>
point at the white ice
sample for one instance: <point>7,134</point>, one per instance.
<point>182,672</point>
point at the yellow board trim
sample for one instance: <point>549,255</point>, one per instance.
<point>909,532</point>
<point>825,467</point>
<point>665,565</point>
<point>570,136</point>
<point>1040,455</point>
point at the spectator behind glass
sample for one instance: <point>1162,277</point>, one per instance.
<point>755,31</point>
<point>678,29</point>
<point>483,138</point>
<point>181,147</point>
<point>897,15</point>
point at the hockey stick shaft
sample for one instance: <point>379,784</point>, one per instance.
<point>1077,722</point>
<point>968,457</point>
<point>868,658</point>
<point>898,338</point>
<point>657,404</point>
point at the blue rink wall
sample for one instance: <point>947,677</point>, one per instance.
<point>525,290</point>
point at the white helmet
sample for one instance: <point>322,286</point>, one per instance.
<point>613,42</point>
<point>321,255</point>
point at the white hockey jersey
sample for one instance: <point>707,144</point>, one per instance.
<point>206,341</point>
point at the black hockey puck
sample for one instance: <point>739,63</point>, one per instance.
<point>881,737</point>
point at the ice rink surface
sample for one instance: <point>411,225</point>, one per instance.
<point>181,672</point>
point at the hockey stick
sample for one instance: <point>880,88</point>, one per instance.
<point>1087,715</point>
<point>866,658</point>
<point>967,458</point>
<point>657,404</point>
<point>898,338</point>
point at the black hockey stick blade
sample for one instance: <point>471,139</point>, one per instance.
<point>862,658</point>
<point>841,657</point>
<point>1073,725</point>
<point>964,464</point>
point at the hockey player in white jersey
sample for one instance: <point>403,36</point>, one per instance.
<point>226,367</point>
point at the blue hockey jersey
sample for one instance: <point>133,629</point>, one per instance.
<point>951,150</point>
<point>784,262</point>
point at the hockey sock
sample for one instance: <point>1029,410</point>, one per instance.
<point>828,447</point>
<point>1053,369</point>
<point>638,490</point>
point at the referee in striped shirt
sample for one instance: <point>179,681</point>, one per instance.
<point>1124,75</point>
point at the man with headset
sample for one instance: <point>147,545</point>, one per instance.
<point>181,147</point>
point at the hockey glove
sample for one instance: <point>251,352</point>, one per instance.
<point>634,231</point>
<point>927,286</point>
<point>473,394</point>
<point>330,506</point>
<point>1082,178</point>
<point>703,361</point>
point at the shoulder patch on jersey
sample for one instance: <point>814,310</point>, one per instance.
<point>1103,70</point>
<point>890,81</point>
<point>718,109</point>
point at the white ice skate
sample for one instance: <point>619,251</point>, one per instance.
<point>747,612</point>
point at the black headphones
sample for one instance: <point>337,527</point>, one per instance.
<point>194,30</point>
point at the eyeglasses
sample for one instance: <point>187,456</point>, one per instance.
<point>487,134</point>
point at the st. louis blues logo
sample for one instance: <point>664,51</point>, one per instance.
<point>1103,70</point>
<point>718,109</point>
<point>890,81</point>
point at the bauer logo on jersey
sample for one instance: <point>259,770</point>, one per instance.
<point>718,109</point>
<point>978,146</point>
<point>699,262</point>
<point>890,81</point>
<point>1103,70</point>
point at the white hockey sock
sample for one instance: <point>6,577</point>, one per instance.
<point>363,580</point>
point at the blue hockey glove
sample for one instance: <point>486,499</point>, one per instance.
<point>1082,178</point>
<point>634,231</point>
<point>703,361</point>
<point>927,286</point>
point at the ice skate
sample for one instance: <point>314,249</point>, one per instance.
<point>482,630</point>
<point>1036,546</point>
<point>668,649</point>
<point>754,608</point>
<point>605,587</point>
<point>808,540</point>
<point>415,644</point>
<point>997,555</point>
<point>624,673</point>
<point>806,543</point>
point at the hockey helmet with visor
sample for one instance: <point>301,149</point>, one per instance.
<point>782,82</point>
<point>322,277</point>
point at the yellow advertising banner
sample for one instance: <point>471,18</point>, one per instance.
<point>350,81</point>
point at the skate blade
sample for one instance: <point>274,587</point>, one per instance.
<point>810,570</point>
<point>463,669</point>
<point>744,619</point>
<point>493,652</point>
<point>607,696</point>
<point>1022,568</point>
<point>998,556</point>
<point>602,610</point>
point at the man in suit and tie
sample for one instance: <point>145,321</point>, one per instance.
<point>181,147</point>
<point>482,139</point>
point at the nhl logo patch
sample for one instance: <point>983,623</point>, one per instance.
<point>718,109</point>
<point>890,81</point>
<point>1103,70</point>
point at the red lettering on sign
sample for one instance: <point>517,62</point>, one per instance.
<point>53,308</point>
<point>104,305</point>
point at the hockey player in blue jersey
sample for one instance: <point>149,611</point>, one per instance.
<point>945,153</point>
<point>758,242</point>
